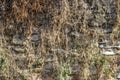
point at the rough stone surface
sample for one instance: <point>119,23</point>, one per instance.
<point>72,27</point>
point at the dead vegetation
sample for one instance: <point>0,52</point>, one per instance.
<point>58,39</point>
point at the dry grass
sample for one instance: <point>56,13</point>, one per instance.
<point>69,36</point>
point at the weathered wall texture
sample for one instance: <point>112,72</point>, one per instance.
<point>58,39</point>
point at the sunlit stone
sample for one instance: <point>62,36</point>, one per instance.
<point>101,46</point>
<point>108,52</point>
<point>118,76</point>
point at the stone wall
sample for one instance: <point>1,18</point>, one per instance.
<point>55,39</point>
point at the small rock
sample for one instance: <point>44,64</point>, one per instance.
<point>108,52</point>
<point>75,68</point>
<point>48,66</point>
<point>35,37</point>
<point>19,49</point>
<point>101,46</point>
<point>107,31</point>
<point>76,34</point>
<point>118,76</point>
<point>17,40</point>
